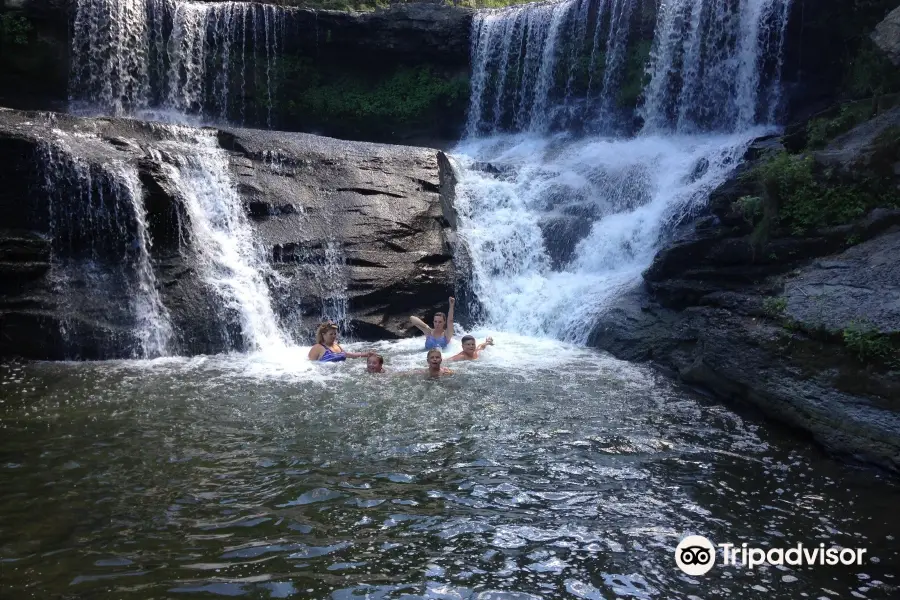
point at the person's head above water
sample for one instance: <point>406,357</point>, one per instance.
<point>375,364</point>
<point>469,345</point>
<point>326,334</point>
<point>440,321</point>
<point>434,358</point>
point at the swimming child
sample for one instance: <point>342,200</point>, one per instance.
<point>440,335</point>
<point>470,351</point>
<point>327,349</point>
<point>435,358</point>
<point>375,364</point>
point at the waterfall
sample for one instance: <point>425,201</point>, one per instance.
<point>560,212</point>
<point>172,59</point>
<point>716,66</point>
<point>534,70</point>
<point>226,255</point>
<point>100,254</point>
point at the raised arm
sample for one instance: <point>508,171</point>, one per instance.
<point>449,327</point>
<point>420,324</point>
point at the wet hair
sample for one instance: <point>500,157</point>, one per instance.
<point>320,332</point>
<point>434,351</point>
<point>467,338</point>
<point>441,315</point>
<point>380,359</point>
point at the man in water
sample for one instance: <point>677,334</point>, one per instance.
<point>470,350</point>
<point>375,364</point>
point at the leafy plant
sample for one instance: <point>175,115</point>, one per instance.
<point>406,95</point>
<point>774,307</point>
<point>797,195</point>
<point>14,29</point>
<point>750,208</point>
<point>868,344</point>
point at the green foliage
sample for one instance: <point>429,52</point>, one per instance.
<point>750,208</point>
<point>870,73</point>
<point>406,95</point>
<point>868,344</point>
<point>823,130</point>
<point>774,307</point>
<point>802,199</point>
<point>14,29</point>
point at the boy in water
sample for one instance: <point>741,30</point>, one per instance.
<point>435,358</point>
<point>375,364</point>
<point>470,350</point>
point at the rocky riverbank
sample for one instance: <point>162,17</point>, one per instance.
<point>774,302</point>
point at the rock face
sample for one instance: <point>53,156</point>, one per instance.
<point>342,227</point>
<point>805,328</point>
<point>887,36</point>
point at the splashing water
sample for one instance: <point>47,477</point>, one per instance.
<point>559,224</point>
<point>227,256</point>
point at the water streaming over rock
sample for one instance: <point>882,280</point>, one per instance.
<point>100,255</point>
<point>559,210</point>
<point>226,255</point>
<point>172,59</point>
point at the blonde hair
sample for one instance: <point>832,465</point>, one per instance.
<point>320,332</point>
<point>433,351</point>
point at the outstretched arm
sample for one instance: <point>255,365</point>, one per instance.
<point>449,334</point>
<point>485,344</point>
<point>420,324</point>
<point>316,352</point>
<point>357,354</point>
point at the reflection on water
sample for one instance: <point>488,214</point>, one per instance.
<point>540,471</point>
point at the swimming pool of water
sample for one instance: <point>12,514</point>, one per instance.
<point>542,470</point>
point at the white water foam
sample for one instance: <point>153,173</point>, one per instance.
<point>228,258</point>
<point>633,192</point>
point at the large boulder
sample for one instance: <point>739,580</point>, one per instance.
<point>887,36</point>
<point>351,231</point>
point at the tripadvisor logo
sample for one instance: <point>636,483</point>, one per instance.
<point>696,555</point>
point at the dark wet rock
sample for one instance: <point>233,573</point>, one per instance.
<point>377,210</point>
<point>859,286</point>
<point>862,146</point>
<point>365,221</point>
<point>887,36</point>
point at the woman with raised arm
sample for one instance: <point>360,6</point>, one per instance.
<point>440,335</point>
<point>327,349</point>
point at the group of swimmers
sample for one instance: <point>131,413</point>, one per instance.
<point>437,338</point>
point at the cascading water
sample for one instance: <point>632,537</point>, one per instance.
<point>186,62</point>
<point>716,65</point>
<point>174,59</point>
<point>227,257</point>
<point>97,213</point>
<point>521,54</point>
<point>558,224</point>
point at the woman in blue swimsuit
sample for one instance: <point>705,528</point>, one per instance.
<point>440,335</point>
<point>327,349</point>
